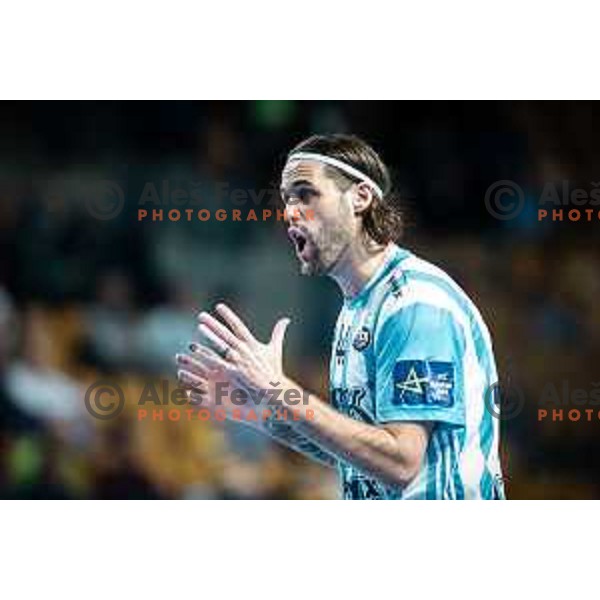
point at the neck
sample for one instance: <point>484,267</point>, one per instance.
<point>356,266</point>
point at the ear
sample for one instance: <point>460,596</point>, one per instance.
<point>362,197</point>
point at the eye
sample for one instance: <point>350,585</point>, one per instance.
<point>299,193</point>
<point>304,193</point>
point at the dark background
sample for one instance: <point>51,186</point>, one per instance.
<point>84,298</point>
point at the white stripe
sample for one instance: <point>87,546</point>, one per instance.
<point>417,488</point>
<point>342,166</point>
<point>472,462</point>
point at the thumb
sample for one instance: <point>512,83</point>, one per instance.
<point>278,335</point>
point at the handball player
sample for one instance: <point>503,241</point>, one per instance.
<point>411,359</point>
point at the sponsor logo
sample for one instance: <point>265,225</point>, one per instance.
<point>424,383</point>
<point>362,339</point>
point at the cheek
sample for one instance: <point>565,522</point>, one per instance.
<point>332,209</point>
<point>329,214</point>
<point>341,218</point>
<point>315,219</point>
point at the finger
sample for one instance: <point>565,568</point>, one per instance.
<point>216,327</point>
<point>237,325</point>
<point>278,336</point>
<point>189,363</point>
<point>191,381</point>
<point>196,398</point>
<point>209,358</point>
<point>224,349</point>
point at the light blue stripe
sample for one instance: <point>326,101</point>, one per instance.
<point>484,356</point>
<point>430,493</point>
<point>487,485</point>
<point>458,443</point>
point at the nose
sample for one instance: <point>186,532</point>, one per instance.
<point>294,212</point>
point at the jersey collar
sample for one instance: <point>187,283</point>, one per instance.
<point>394,256</point>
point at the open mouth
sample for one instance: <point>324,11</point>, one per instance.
<point>300,240</point>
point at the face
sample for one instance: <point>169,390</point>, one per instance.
<point>320,216</point>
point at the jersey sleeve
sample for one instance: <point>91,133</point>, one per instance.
<point>419,375</point>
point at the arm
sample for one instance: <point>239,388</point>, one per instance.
<point>391,452</point>
<point>291,437</point>
<point>200,383</point>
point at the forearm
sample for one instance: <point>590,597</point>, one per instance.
<point>285,434</point>
<point>372,449</point>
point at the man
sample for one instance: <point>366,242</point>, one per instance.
<point>412,359</point>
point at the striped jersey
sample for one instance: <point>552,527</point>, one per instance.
<point>411,346</point>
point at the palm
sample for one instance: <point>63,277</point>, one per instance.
<point>237,375</point>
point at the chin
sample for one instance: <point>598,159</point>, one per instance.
<point>307,268</point>
<point>313,268</point>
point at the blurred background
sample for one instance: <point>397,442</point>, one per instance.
<point>89,293</point>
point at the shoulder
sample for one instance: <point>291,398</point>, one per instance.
<point>420,298</point>
<point>424,298</point>
<point>417,281</point>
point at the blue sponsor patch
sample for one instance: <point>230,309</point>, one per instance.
<point>424,383</point>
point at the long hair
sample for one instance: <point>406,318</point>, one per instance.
<point>383,220</point>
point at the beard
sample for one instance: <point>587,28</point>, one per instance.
<point>318,251</point>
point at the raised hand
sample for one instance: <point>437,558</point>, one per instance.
<point>236,361</point>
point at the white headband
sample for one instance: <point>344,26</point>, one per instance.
<point>342,166</point>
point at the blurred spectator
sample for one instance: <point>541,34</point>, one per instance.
<point>14,422</point>
<point>166,330</point>
<point>111,323</point>
<point>37,387</point>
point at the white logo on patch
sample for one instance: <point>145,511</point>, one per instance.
<point>413,383</point>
